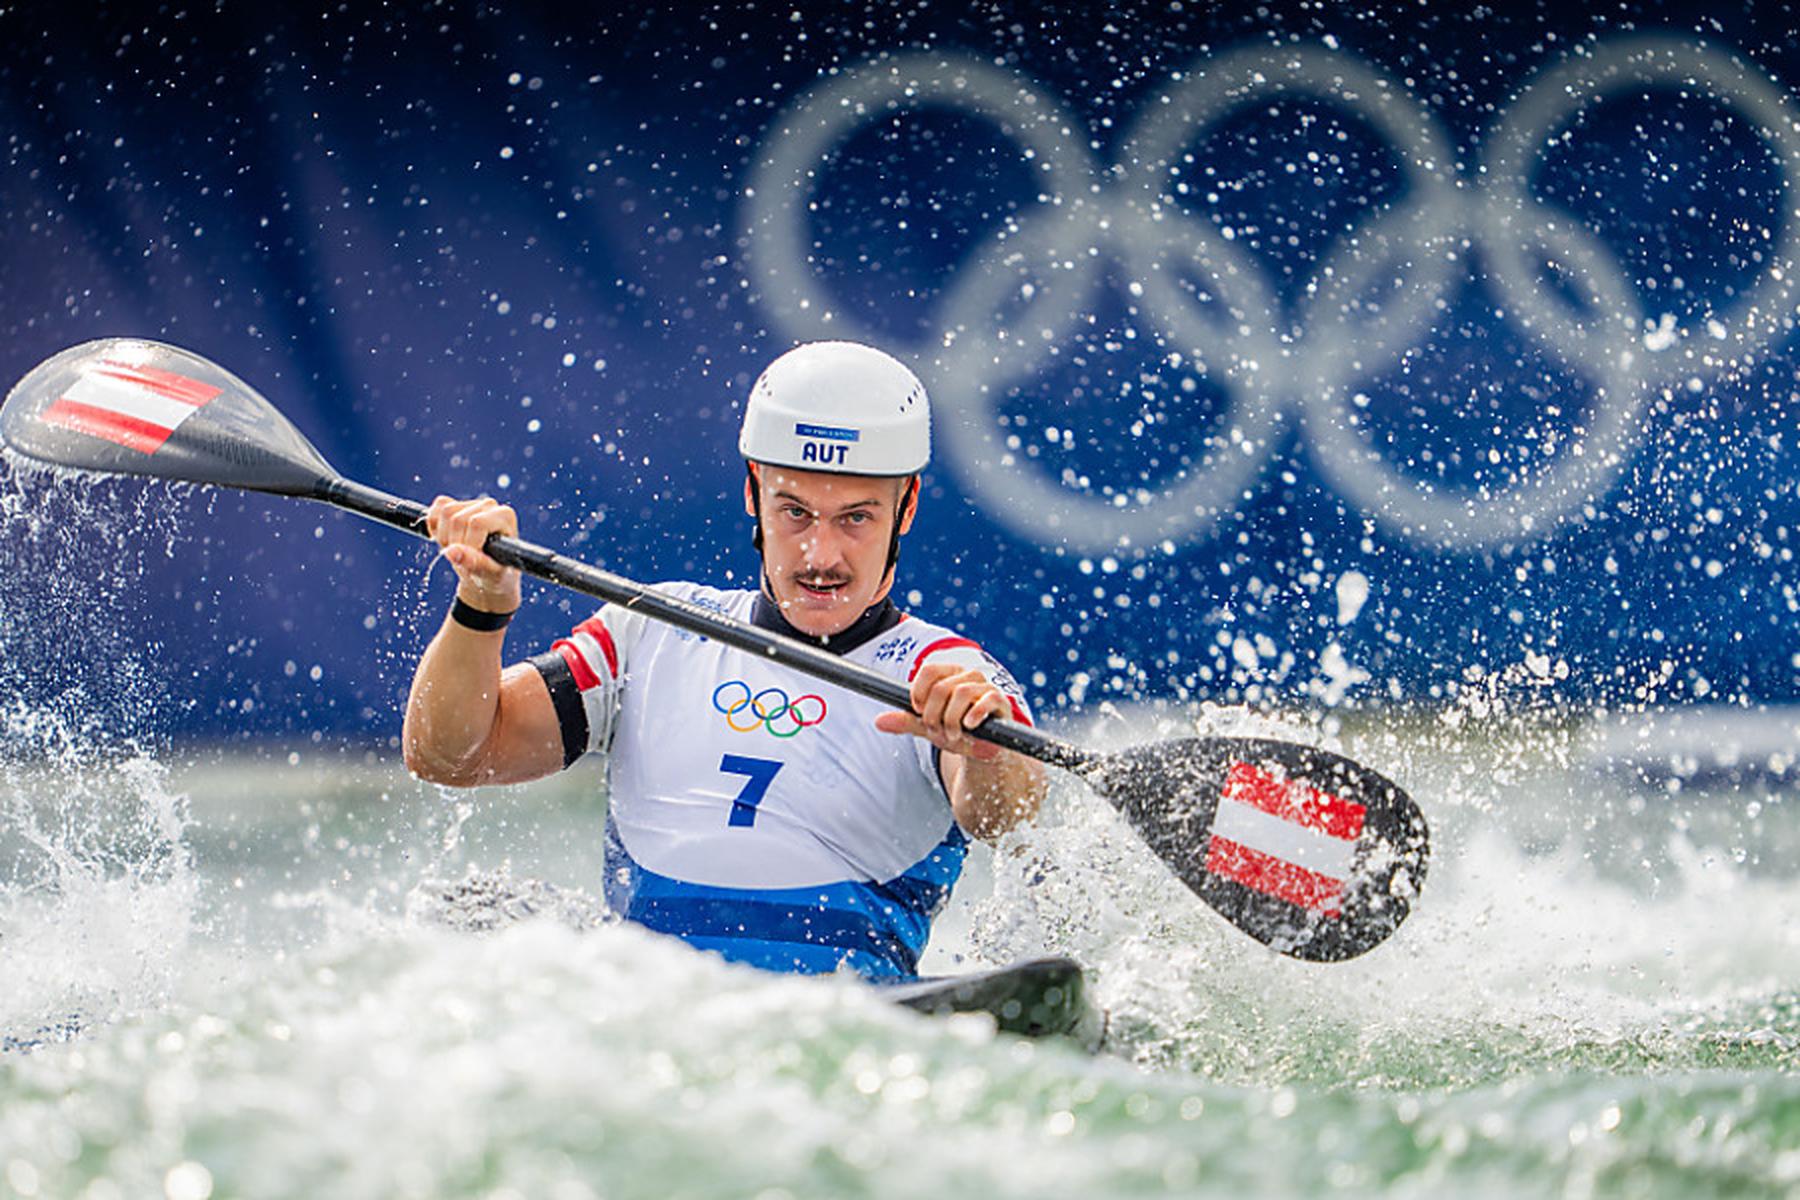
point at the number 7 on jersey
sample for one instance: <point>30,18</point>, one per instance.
<point>759,773</point>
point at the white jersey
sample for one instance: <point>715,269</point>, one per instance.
<point>737,784</point>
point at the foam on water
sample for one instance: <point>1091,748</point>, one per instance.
<point>398,1060</point>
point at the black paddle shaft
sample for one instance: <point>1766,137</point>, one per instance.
<point>544,563</point>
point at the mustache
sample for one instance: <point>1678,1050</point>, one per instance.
<point>826,580</point>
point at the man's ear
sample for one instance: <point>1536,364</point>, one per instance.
<point>751,483</point>
<point>909,504</point>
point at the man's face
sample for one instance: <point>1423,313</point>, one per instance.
<point>825,542</point>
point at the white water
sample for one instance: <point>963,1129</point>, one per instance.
<point>263,1019</point>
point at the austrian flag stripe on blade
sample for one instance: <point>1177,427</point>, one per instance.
<point>1284,838</point>
<point>136,407</point>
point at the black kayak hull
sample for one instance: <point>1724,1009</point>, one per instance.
<point>1041,997</point>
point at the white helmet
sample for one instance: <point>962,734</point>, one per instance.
<point>841,407</point>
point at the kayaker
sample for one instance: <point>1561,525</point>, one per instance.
<point>751,809</point>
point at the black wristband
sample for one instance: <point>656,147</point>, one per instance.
<point>470,617</point>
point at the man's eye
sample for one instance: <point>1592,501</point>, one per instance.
<point>857,518</point>
<point>795,512</point>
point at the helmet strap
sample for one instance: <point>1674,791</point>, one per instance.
<point>756,538</point>
<point>909,495</point>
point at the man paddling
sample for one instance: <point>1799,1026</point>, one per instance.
<point>752,810</point>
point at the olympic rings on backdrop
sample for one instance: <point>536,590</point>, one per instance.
<point>783,720</point>
<point>1020,296</point>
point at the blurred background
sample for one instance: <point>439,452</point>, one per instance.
<point>1305,356</point>
<point>1414,380</point>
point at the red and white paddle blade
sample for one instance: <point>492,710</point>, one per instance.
<point>1306,851</point>
<point>135,407</point>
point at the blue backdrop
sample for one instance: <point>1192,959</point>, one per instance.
<point>1279,353</point>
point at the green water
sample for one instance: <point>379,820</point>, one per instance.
<point>1599,995</point>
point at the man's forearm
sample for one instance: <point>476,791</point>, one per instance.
<point>454,704</point>
<point>994,796</point>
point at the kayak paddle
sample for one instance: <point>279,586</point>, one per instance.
<point>1304,850</point>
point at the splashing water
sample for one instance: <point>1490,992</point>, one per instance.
<point>98,899</point>
<point>97,895</point>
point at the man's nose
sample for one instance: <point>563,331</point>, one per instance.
<point>821,547</point>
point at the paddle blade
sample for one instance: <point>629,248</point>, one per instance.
<point>124,406</point>
<point>1304,850</point>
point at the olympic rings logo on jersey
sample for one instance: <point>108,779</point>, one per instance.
<point>1006,316</point>
<point>781,717</point>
